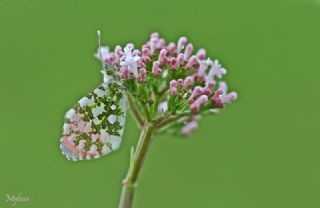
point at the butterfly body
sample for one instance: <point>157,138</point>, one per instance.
<point>94,126</point>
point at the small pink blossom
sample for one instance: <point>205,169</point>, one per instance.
<point>201,54</point>
<point>156,70</point>
<point>188,82</point>
<point>172,49</point>
<point>188,51</point>
<point>189,128</point>
<point>192,62</point>
<point>181,43</point>
<point>180,59</point>
<point>195,106</point>
<point>163,59</point>
<point>197,91</point>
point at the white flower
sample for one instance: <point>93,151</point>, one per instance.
<point>203,66</point>
<point>104,53</point>
<point>225,96</point>
<point>130,60</point>
<point>163,107</point>
<point>217,70</point>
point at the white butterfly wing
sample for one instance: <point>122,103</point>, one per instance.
<point>94,126</point>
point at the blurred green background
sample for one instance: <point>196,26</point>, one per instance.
<point>260,152</point>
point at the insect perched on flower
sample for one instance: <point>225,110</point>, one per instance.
<point>94,126</point>
<point>165,86</point>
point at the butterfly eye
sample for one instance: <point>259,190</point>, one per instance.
<point>94,126</point>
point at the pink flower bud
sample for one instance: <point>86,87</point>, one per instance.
<point>136,53</point>
<point>180,82</point>
<point>118,53</point>
<point>160,44</point>
<point>172,49</point>
<point>125,72</point>
<point>110,58</point>
<point>211,85</point>
<point>196,117</point>
<point>180,59</point>
<point>197,104</point>
<point>193,61</point>
<point>214,111</point>
<point>139,78</point>
<point>232,96</point>
<point>181,43</point>
<point>146,59</point>
<point>218,92</point>
<point>154,35</point>
<point>189,128</point>
<point>173,91</point>
<point>174,64</point>
<point>143,72</point>
<point>154,40</point>
<point>188,51</point>
<point>196,92</point>
<point>141,64</point>
<point>163,53</point>
<point>130,46</point>
<point>207,91</point>
<point>156,69</point>
<point>201,54</point>
<point>146,51</point>
<point>208,88</point>
<point>163,59</point>
<point>216,98</point>
<point>187,82</point>
<point>202,99</point>
<point>173,83</point>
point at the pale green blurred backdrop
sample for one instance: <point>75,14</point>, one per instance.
<point>260,152</point>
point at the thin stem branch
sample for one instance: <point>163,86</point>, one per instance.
<point>130,183</point>
<point>135,113</point>
<point>162,121</point>
<point>146,111</point>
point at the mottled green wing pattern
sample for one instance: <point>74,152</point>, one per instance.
<point>94,126</point>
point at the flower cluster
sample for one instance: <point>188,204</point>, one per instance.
<point>169,82</point>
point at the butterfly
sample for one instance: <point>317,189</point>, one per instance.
<point>94,126</point>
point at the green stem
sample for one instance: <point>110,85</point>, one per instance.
<point>135,113</point>
<point>130,183</point>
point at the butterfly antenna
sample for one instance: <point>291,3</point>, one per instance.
<point>99,43</point>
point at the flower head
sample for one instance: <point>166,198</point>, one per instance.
<point>169,82</point>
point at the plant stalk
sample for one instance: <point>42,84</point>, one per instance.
<point>130,183</point>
